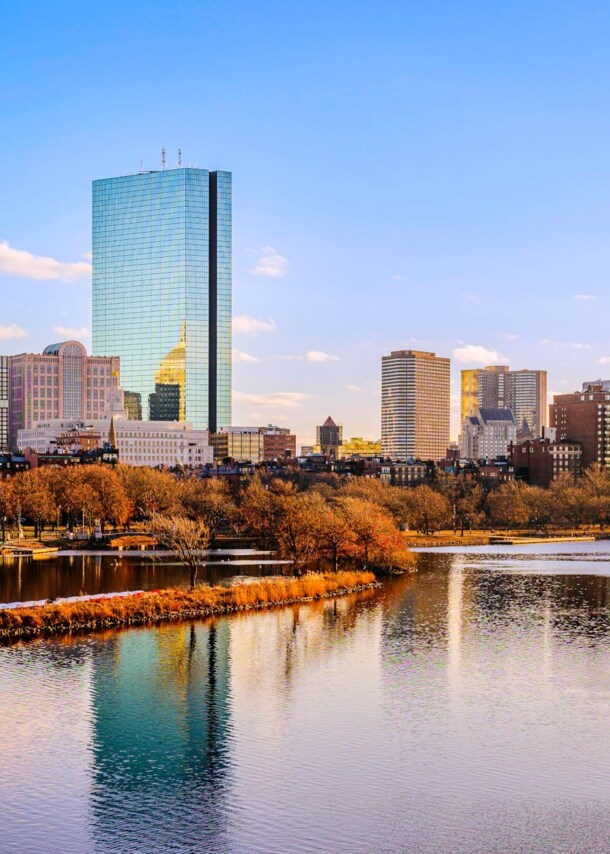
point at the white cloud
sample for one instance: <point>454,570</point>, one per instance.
<point>478,355</point>
<point>290,358</point>
<point>88,256</point>
<point>353,387</point>
<point>605,360</point>
<point>71,332</point>
<point>271,263</point>
<point>277,399</point>
<point>398,278</point>
<point>585,297</point>
<point>320,356</point>
<point>248,325</point>
<point>8,333</point>
<point>576,345</point>
<point>508,336</point>
<point>18,262</point>
<point>243,358</point>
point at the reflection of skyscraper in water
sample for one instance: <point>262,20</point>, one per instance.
<point>161,716</point>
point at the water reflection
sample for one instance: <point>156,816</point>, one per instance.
<point>458,711</point>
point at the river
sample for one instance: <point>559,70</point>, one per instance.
<point>464,709</point>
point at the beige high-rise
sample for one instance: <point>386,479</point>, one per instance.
<point>415,405</point>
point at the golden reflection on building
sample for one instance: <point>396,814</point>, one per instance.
<point>168,402</point>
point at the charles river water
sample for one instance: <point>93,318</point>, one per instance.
<point>464,709</point>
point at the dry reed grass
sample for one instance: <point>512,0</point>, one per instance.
<point>175,603</point>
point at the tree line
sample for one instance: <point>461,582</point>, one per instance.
<point>333,517</point>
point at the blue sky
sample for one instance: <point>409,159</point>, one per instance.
<point>406,174</point>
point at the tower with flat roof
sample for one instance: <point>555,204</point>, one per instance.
<point>162,290</point>
<point>415,405</point>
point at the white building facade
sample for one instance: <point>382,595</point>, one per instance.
<point>487,434</point>
<point>139,443</point>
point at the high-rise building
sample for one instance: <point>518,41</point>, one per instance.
<point>497,387</point>
<point>415,405</point>
<point>584,417</point>
<point>61,383</point>
<point>162,290</point>
<point>4,443</point>
<point>329,438</point>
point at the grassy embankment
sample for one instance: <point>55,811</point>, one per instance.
<point>176,603</point>
<point>481,538</point>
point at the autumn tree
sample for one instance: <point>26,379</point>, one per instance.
<point>258,511</point>
<point>506,506</point>
<point>150,491</point>
<point>7,504</point>
<point>35,498</point>
<point>187,537</point>
<point>378,540</point>
<point>335,538</point>
<point>294,516</point>
<point>210,500</point>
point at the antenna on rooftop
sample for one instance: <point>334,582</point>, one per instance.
<point>163,159</point>
<point>179,157</point>
<point>141,164</point>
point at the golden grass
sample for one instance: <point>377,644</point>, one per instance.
<point>130,540</point>
<point>175,603</point>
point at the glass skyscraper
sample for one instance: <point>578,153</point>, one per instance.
<point>162,290</point>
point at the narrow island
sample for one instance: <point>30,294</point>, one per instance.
<point>177,603</point>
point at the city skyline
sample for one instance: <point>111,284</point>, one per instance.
<point>483,241</point>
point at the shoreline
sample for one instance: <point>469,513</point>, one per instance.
<point>430,542</point>
<point>176,604</point>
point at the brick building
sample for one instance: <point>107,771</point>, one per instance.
<point>541,461</point>
<point>584,417</point>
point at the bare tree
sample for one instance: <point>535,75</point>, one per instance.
<point>187,537</point>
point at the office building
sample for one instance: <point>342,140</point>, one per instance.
<point>329,437</point>
<point>139,443</point>
<point>4,441</point>
<point>359,447</point>
<point>488,434</point>
<point>253,444</point>
<point>497,387</point>
<point>62,383</point>
<point>415,405</point>
<point>162,291</point>
<point>584,417</point>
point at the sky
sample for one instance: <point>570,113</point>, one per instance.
<point>429,175</point>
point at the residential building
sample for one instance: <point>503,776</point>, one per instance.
<point>329,437</point>
<point>63,383</point>
<point>406,474</point>
<point>4,439</point>
<point>139,443</point>
<point>359,447</point>
<point>584,417</point>
<point>488,434</point>
<point>415,405</point>
<point>162,290</point>
<point>497,387</point>
<point>541,461</point>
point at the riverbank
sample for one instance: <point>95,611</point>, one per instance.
<point>176,603</point>
<point>479,538</point>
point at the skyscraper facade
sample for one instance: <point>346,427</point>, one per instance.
<point>497,387</point>
<point>4,403</point>
<point>415,405</point>
<point>162,290</point>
